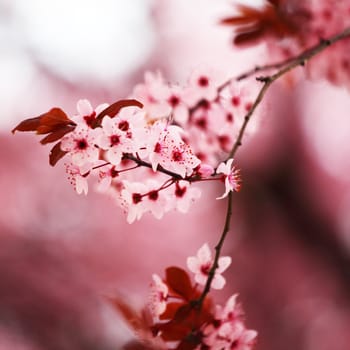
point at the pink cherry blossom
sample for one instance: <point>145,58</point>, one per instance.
<point>105,177</point>
<point>158,296</point>
<point>230,312</point>
<point>201,264</point>
<point>183,196</point>
<point>114,140</point>
<point>132,200</point>
<point>153,94</point>
<point>80,143</point>
<point>86,114</point>
<point>77,177</point>
<point>179,108</point>
<point>156,201</point>
<point>231,176</point>
<point>202,85</point>
<point>230,336</point>
<point>168,150</point>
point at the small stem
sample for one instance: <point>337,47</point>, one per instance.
<point>218,248</point>
<point>288,65</point>
<point>285,67</point>
<point>160,169</point>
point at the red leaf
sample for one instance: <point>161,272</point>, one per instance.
<point>56,154</point>
<point>135,345</point>
<point>170,311</point>
<point>252,24</point>
<point>179,281</point>
<point>27,125</point>
<point>183,313</point>
<point>48,122</point>
<point>171,331</point>
<point>53,119</point>
<point>135,319</point>
<point>57,135</point>
<point>188,344</point>
<point>114,109</point>
<point>249,37</point>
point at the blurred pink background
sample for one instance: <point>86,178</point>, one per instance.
<point>61,253</point>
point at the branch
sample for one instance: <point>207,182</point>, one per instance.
<point>218,248</point>
<point>267,81</point>
<point>289,65</point>
<point>160,169</point>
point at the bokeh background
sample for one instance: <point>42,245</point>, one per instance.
<point>61,254</point>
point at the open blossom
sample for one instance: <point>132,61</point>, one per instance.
<point>202,85</point>
<point>231,175</point>
<point>153,94</point>
<point>133,200</point>
<point>230,336</point>
<point>230,312</point>
<point>114,140</point>
<point>184,195</point>
<point>227,331</point>
<point>156,201</point>
<point>168,150</point>
<point>86,114</point>
<point>158,297</point>
<point>77,177</point>
<point>201,264</point>
<point>80,143</point>
<point>179,108</point>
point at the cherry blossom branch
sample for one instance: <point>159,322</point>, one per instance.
<point>289,65</point>
<point>218,248</point>
<point>267,81</point>
<point>160,169</point>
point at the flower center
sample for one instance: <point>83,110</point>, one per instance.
<point>203,81</point>
<point>136,198</point>
<point>82,144</point>
<point>153,195</point>
<point>115,140</point>
<point>177,156</point>
<point>123,125</point>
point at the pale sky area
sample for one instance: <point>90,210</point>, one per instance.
<point>94,40</point>
<point>90,40</point>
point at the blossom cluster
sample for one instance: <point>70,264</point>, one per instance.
<point>148,150</point>
<point>179,319</point>
<point>210,112</point>
<point>288,27</point>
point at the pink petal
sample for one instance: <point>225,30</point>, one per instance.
<point>193,264</point>
<point>224,262</point>
<point>204,255</point>
<point>84,107</point>
<point>218,282</point>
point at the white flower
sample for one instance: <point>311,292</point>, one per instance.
<point>201,265</point>
<point>231,176</point>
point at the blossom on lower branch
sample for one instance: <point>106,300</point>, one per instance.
<point>201,265</point>
<point>178,317</point>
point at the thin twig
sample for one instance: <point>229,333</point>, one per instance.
<point>289,65</point>
<point>218,248</point>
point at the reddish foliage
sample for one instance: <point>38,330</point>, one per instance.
<point>56,154</point>
<point>54,122</point>
<point>252,24</point>
<point>114,109</point>
<point>138,321</point>
<point>179,281</point>
<point>181,322</point>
